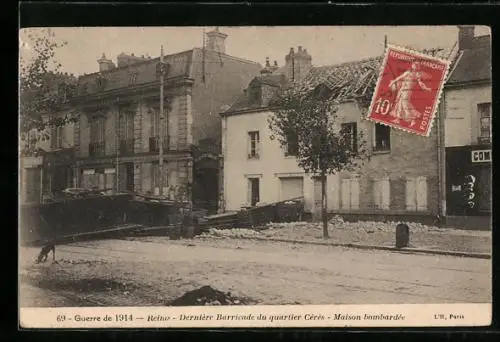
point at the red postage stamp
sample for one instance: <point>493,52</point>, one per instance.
<point>408,90</point>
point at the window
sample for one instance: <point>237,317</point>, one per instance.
<point>97,144</point>
<point>132,78</point>
<point>292,144</point>
<point>126,125</point>
<point>349,190</point>
<point>416,194</point>
<point>255,94</point>
<point>382,138</point>
<point>56,138</point>
<point>253,191</point>
<point>253,144</point>
<point>484,111</point>
<point>126,132</point>
<point>83,89</point>
<point>97,129</point>
<point>155,122</point>
<point>350,133</point>
<point>158,179</point>
<point>381,193</point>
<point>100,82</point>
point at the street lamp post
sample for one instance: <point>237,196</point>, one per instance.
<point>160,142</point>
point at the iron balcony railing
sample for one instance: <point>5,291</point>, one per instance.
<point>97,149</point>
<point>154,145</point>
<point>126,147</point>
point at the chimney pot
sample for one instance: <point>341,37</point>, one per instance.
<point>300,48</point>
<point>275,63</point>
<point>465,37</point>
<point>267,62</point>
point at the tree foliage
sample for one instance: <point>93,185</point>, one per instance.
<point>40,85</point>
<point>324,146</point>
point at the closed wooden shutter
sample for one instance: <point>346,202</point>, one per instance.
<point>354,193</point>
<point>377,193</point>
<point>421,193</point>
<point>345,200</point>
<point>411,204</point>
<point>385,193</point>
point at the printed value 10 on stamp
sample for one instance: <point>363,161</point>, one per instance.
<point>408,90</point>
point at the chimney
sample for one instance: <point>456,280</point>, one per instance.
<point>216,41</point>
<point>123,59</point>
<point>105,64</point>
<point>297,64</point>
<point>465,37</point>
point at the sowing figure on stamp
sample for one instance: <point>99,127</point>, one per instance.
<point>404,84</point>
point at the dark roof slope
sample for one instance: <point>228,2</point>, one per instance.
<point>473,65</point>
<point>347,81</point>
<point>180,65</point>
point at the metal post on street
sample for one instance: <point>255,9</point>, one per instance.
<point>160,142</point>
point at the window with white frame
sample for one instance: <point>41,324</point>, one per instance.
<point>253,144</point>
<point>484,111</point>
<point>416,194</point>
<point>349,190</point>
<point>381,193</point>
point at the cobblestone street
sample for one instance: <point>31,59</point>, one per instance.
<point>153,271</point>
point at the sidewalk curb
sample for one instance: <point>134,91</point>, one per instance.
<point>407,250</point>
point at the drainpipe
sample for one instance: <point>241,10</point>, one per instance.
<point>440,159</point>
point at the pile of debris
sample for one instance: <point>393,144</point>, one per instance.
<point>337,222</point>
<point>207,295</point>
<point>229,233</point>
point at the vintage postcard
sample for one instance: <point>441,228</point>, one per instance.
<point>255,177</point>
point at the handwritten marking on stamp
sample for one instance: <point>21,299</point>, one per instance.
<point>408,90</point>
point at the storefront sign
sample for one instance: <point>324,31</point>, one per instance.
<point>89,172</point>
<point>481,156</point>
<point>108,171</point>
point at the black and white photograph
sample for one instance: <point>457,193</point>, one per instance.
<point>233,176</point>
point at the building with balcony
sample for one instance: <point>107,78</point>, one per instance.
<point>116,140</point>
<point>466,147</point>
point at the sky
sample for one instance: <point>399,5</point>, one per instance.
<point>326,44</point>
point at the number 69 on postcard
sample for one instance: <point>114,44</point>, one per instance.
<point>408,90</point>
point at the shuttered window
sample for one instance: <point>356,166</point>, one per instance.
<point>381,193</point>
<point>416,194</point>
<point>349,189</point>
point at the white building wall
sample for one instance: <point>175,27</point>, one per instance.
<point>272,162</point>
<point>462,118</point>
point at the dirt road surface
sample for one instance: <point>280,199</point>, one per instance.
<point>153,271</point>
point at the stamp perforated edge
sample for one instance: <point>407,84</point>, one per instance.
<point>437,102</point>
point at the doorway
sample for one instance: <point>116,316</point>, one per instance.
<point>254,193</point>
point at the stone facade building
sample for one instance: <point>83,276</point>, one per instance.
<point>116,139</point>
